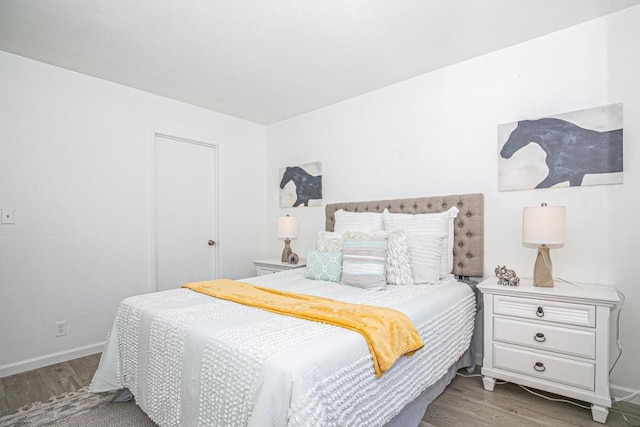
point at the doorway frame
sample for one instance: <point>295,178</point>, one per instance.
<point>218,269</point>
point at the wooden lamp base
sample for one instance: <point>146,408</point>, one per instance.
<point>543,270</point>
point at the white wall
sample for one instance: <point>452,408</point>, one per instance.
<point>75,156</point>
<point>437,134</point>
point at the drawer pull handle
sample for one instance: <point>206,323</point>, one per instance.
<point>540,312</point>
<point>540,337</point>
<point>539,366</point>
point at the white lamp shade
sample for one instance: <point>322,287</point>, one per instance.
<point>287,227</point>
<point>543,225</point>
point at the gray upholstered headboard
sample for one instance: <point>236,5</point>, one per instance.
<point>468,248</point>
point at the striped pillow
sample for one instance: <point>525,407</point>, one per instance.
<point>363,263</point>
<point>425,253</point>
<point>435,223</point>
<point>357,221</point>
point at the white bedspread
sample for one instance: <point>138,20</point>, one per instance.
<point>193,360</point>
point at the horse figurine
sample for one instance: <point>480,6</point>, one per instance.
<point>506,276</point>
<point>307,186</point>
<point>572,151</point>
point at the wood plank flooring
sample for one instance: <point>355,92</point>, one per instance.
<point>40,384</point>
<point>464,402</point>
<point>4,408</point>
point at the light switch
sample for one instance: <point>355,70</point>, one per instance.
<point>8,216</point>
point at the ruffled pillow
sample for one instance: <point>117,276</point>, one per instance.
<point>329,241</point>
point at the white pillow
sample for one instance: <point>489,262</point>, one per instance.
<point>329,241</point>
<point>434,223</point>
<point>357,221</point>
<point>425,253</point>
<point>363,263</point>
<point>398,264</point>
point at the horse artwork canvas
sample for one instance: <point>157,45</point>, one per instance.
<point>301,185</point>
<point>572,149</point>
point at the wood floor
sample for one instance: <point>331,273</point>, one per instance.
<point>39,385</point>
<point>464,402</point>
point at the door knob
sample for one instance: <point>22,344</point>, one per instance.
<point>211,243</point>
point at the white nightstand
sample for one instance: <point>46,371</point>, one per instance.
<point>553,339</point>
<point>274,265</point>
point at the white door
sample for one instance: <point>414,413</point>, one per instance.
<point>185,212</point>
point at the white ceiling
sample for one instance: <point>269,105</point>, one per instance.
<point>268,60</point>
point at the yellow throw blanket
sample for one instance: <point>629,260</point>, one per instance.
<point>389,333</point>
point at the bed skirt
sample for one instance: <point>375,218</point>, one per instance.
<point>412,414</point>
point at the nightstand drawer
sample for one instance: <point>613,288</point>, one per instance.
<point>262,271</point>
<point>546,311</point>
<point>273,265</point>
<point>545,337</point>
<point>557,369</point>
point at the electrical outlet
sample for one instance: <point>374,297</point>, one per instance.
<point>8,216</point>
<point>61,328</point>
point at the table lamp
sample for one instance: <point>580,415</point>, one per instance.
<point>287,230</point>
<point>543,225</point>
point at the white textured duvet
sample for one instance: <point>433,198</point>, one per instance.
<point>193,360</point>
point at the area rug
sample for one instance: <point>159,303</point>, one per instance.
<point>80,409</point>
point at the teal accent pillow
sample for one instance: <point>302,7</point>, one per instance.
<point>324,265</point>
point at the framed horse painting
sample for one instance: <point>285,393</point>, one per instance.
<point>572,149</point>
<point>301,185</point>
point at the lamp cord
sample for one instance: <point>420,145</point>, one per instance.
<point>568,282</point>
<point>618,343</point>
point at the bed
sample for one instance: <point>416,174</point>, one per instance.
<point>190,359</point>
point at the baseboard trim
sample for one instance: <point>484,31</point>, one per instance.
<point>50,359</point>
<point>622,391</point>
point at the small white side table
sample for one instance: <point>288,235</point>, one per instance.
<point>274,265</point>
<point>553,339</point>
